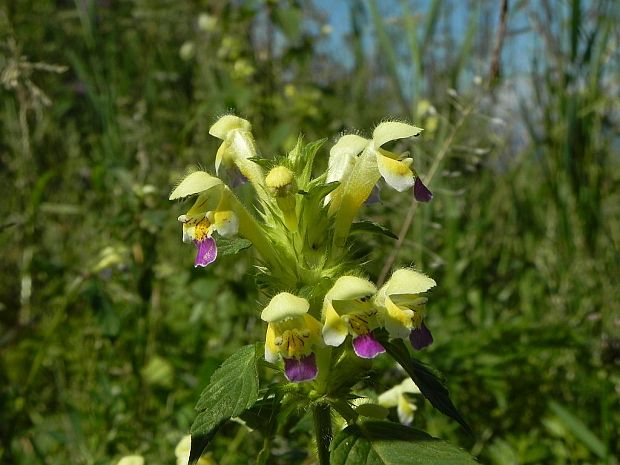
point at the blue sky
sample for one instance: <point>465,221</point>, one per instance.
<point>518,48</point>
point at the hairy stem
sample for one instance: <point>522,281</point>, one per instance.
<point>323,431</point>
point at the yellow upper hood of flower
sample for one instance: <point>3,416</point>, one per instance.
<point>349,288</point>
<point>402,302</point>
<point>237,141</point>
<point>291,332</point>
<point>195,183</point>
<point>393,168</point>
<point>284,305</point>
<point>343,298</point>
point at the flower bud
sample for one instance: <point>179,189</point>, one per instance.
<point>280,182</point>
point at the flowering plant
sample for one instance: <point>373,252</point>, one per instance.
<point>325,320</point>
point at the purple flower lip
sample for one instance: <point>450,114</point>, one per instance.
<point>366,346</point>
<point>421,337</point>
<point>421,192</point>
<point>303,369</point>
<point>207,252</point>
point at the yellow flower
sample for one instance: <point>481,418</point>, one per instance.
<point>348,309</point>
<point>397,397</point>
<point>405,308</point>
<point>359,163</point>
<point>395,169</point>
<point>209,214</point>
<point>237,147</point>
<point>293,335</point>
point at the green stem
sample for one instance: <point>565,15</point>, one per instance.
<point>323,361</point>
<point>323,431</point>
<point>251,230</point>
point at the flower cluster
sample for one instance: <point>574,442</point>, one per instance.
<point>319,299</point>
<point>354,307</point>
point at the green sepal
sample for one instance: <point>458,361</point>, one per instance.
<point>431,385</point>
<point>371,228</point>
<point>233,388</point>
<point>383,443</point>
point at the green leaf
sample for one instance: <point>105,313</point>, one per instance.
<point>231,246</point>
<point>308,154</point>
<point>265,163</point>
<point>233,389</point>
<point>319,192</point>
<point>579,429</point>
<point>431,386</point>
<point>385,443</point>
<point>372,228</point>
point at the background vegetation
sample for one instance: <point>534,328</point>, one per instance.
<point>108,334</point>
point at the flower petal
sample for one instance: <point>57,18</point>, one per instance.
<point>302,369</point>
<point>284,305</point>
<point>207,252</point>
<point>405,410</point>
<point>195,183</point>
<point>188,233</point>
<point>421,192</point>
<point>408,281</point>
<point>223,155</point>
<point>271,349</point>
<point>409,386</point>
<point>339,166</point>
<point>421,337</point>
<point>366,346</point>
<point>226,223</point>
<point>349,288</point>
<point>242,145</point>
<point>390,397</point>
<point>228,123</point>
<point>396,173</point>
<point>349,145</point>
<point>334,330</point>
<point>397,320</point>
<point>393,130</point>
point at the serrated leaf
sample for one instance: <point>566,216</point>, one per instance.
<point>231,246</point>
<point>233,389</point>
<point>431,386</point>
<point>372,228</point>
<point>385,443</point>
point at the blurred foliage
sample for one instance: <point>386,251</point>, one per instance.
<point>108,334</point>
